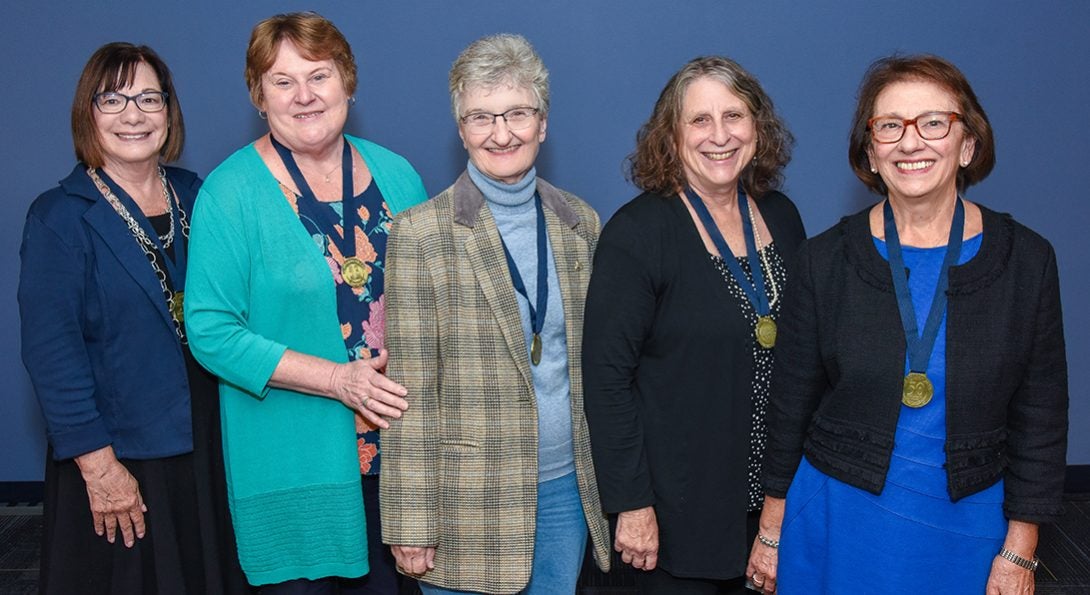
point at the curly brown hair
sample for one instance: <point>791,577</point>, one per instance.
<point>931,69</point>
<point>655,165</point>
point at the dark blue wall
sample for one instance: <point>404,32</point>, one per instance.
<point>609,59</point>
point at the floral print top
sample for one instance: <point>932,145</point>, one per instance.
<point>361,310</point>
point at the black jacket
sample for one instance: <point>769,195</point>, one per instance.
<point>668,373</point>
<point>836,390</point>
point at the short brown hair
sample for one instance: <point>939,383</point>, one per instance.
<point>110,68</point>
<point>317,39</point>
<point>655,165</point>
<point>925,68</point>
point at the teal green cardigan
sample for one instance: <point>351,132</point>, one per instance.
<point>257,285</point>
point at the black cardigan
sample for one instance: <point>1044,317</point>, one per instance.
<point>836,390</point>
<point>667,367</point>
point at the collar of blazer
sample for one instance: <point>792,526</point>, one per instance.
<point>468,201</point>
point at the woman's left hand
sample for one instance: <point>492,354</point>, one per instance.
<point>1007,578</point>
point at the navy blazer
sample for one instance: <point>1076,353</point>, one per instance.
<point>97,339</point>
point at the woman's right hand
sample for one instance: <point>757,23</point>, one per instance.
<point>763,559</point>
<point>362,387</point>
<point>637,538</point>
<point>414,560</point>
<point>114,496</point>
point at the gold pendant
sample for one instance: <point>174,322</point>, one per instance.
<point>766,332</point>
<point>177,307</point>
<point>354,272</point>
<point>917,390</point>
<point>535,350</point>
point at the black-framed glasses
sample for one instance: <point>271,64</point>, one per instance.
<point>930,126</point>
<point>112,102</point>
<point>517,118</point>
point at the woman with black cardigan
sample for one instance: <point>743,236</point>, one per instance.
<point>680,329</point>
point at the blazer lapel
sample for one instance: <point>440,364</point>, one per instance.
<point>570,253</point>
<point>113,231</point>
<point>485,254</point>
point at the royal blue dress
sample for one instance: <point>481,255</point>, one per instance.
<point>911,538</point>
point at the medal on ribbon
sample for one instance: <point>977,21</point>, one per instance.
<point>353,270</point>
<point>917,389</point>
<point>537,312</point>
<point>765,329</point>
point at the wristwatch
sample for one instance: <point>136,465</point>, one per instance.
<point>1030,565</point>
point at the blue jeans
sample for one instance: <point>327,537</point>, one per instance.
<point>559,542</point>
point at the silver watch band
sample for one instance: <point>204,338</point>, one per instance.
<point>1030,565</point>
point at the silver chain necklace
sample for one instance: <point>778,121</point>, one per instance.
<point>174,299</point>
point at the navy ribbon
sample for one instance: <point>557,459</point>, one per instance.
<point>175,266</point>
<point>919,348</point>
<point>349,209</point>
<point>754,291</point>
<point>537,314</point>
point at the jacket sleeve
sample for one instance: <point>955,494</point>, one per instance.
<point>619,316</point>
<point>798,378</point>
<point>408,482</point>
<point>218,294</point>
<point>1037,416</point>
<point>52,293</point>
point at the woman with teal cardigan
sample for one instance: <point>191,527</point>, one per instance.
<point>291,316</point>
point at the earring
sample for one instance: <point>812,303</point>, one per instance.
<point>262,115</point>
<point>351,101</point>
<point>873,169</point>
<point>965,164</point>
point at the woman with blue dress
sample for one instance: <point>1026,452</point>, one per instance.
<point>918,420</point>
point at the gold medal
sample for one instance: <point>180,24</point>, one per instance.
<point>917,390</point>
<point>535,350</point>
<point>766,332</point>
<point>177,307</point>
<point>354,272</point>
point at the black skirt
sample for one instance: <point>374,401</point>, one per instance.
<point>189,545</point>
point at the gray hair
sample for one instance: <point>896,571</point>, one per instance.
<point>498,60</point>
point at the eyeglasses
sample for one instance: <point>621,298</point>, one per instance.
<point>517,118</point>
<point>930,126</point>
<point>112,102</point>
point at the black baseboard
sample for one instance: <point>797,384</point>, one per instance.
<point>11,492</point>
<point>1078,479</point>
<point>21,492</point>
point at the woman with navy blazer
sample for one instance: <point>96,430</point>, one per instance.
<point>135,497</point>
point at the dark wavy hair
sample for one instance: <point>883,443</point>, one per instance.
<point>110,68</point>
<point>655,165</point>
<point>931,69</point>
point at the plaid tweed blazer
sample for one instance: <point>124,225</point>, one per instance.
<point>459,469</point>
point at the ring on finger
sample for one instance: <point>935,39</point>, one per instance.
<point>363,403</point>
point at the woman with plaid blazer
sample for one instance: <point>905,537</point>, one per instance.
<point>488,484</point>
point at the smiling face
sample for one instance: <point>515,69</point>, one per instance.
<point>717,137</point>
<point>133,137</point>
<point>305,100</point>
<point>914,168</point>
<point>499,152</point>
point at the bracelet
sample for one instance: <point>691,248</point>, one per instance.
<point>774,543</point>
<point>1030,565</point>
